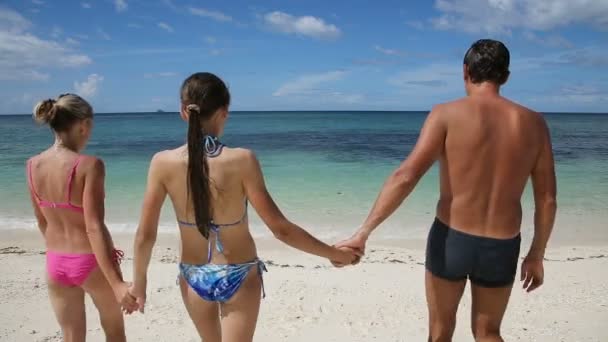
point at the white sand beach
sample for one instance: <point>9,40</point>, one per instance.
<point>382,299</point>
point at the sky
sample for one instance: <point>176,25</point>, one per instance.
<point>132,55</point>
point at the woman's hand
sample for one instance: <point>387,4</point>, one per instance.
<point>121,293</point>
<point>138,292</point>
<point>345,256</point>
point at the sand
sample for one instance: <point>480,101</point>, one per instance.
<point>382,299</point>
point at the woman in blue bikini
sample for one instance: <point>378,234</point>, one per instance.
<point>210,186</point>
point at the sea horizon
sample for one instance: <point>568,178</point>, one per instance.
<point>324,168</point>
<point>339,111</point>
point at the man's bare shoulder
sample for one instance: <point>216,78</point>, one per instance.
<point>519,108</point>
<point>451,106</point>
<point>447,109</point>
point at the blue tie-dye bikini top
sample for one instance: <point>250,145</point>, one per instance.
<point>213,148</point>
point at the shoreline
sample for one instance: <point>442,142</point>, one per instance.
<point>307,299</point>
<point>30,238</point>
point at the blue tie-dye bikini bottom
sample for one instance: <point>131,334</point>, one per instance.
<point>218,283</point>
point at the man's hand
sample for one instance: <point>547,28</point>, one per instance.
<point>532,273</point>
<point>345,256</point>
<point>356,242</point>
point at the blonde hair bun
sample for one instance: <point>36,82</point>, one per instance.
<point>44,111</point>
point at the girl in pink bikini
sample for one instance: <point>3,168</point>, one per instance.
<point>67,193</point>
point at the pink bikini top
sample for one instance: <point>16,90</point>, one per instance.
<point>62,205</point>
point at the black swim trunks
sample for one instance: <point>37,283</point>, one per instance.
<point>487,262</point>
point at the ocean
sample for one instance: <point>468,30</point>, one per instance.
<point>324,169</point>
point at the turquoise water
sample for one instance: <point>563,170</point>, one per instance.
<point>323,168</point>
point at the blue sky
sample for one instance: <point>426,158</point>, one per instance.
<point>132,55</point>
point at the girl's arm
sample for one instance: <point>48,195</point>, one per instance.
<point>145,237</point>
<point>281,227</point>
<point>99,236</point>
<point>40,219</point>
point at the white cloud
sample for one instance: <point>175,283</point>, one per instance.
<point>501,16</point>
<point>23,55</point>
<point>581,95</point>
<point>308,83</point>
<point>89,87</point>
<point>588,57</point>
<point>166,27</point>
<point>170,4</point>
<point>215,15</point>
<point>216,52</point>
<point>85,5</point>
<point>134,25</point>
<point>38,2</point>
<point>56,32</point>
<point>210,40</point>
<point>29,75</point>
<point>72,41</point>
<point>389,52</point>
<point>554,41</point>
<point>120,5</point>
<point>12,22</point>
<point>418,25</point>
<point>433,77</point>
<point>152,51</point>
<point>304,26</point>
<point>396,53</point>
<point>103,34</point>
<point>160,74</point>
<point>343,98</point>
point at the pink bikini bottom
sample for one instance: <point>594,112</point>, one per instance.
<point>71,269</point>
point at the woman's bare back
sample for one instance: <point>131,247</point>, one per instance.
<point>229,205</point>
<point>49,174</point>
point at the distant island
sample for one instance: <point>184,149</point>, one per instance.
<point>160,111</point>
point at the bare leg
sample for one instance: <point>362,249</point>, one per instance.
<point>205,315</point>
<point>240,313</point>
<point>110,314</point>
<point>442,297</point>
<point>68,304</point>
<point>488,309</point>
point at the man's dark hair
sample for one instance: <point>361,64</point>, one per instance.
<point>488,61</point>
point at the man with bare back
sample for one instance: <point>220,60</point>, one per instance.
<point>488,147</point>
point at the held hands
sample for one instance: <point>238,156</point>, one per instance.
<point>131,299</point>
<point>532,273</point>
<point>345,256</point>
<point>127,302</point>
<point>139,293</point>
<point>354,245</point>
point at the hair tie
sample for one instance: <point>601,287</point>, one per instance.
<point>193,108</point>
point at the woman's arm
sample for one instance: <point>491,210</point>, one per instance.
<point>148,227</point>
<point>99,236</point>
<point>40,219</point>
<point>281,227</point>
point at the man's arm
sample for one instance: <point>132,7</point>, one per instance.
<point>402,181</point>
<point>544,185</point>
